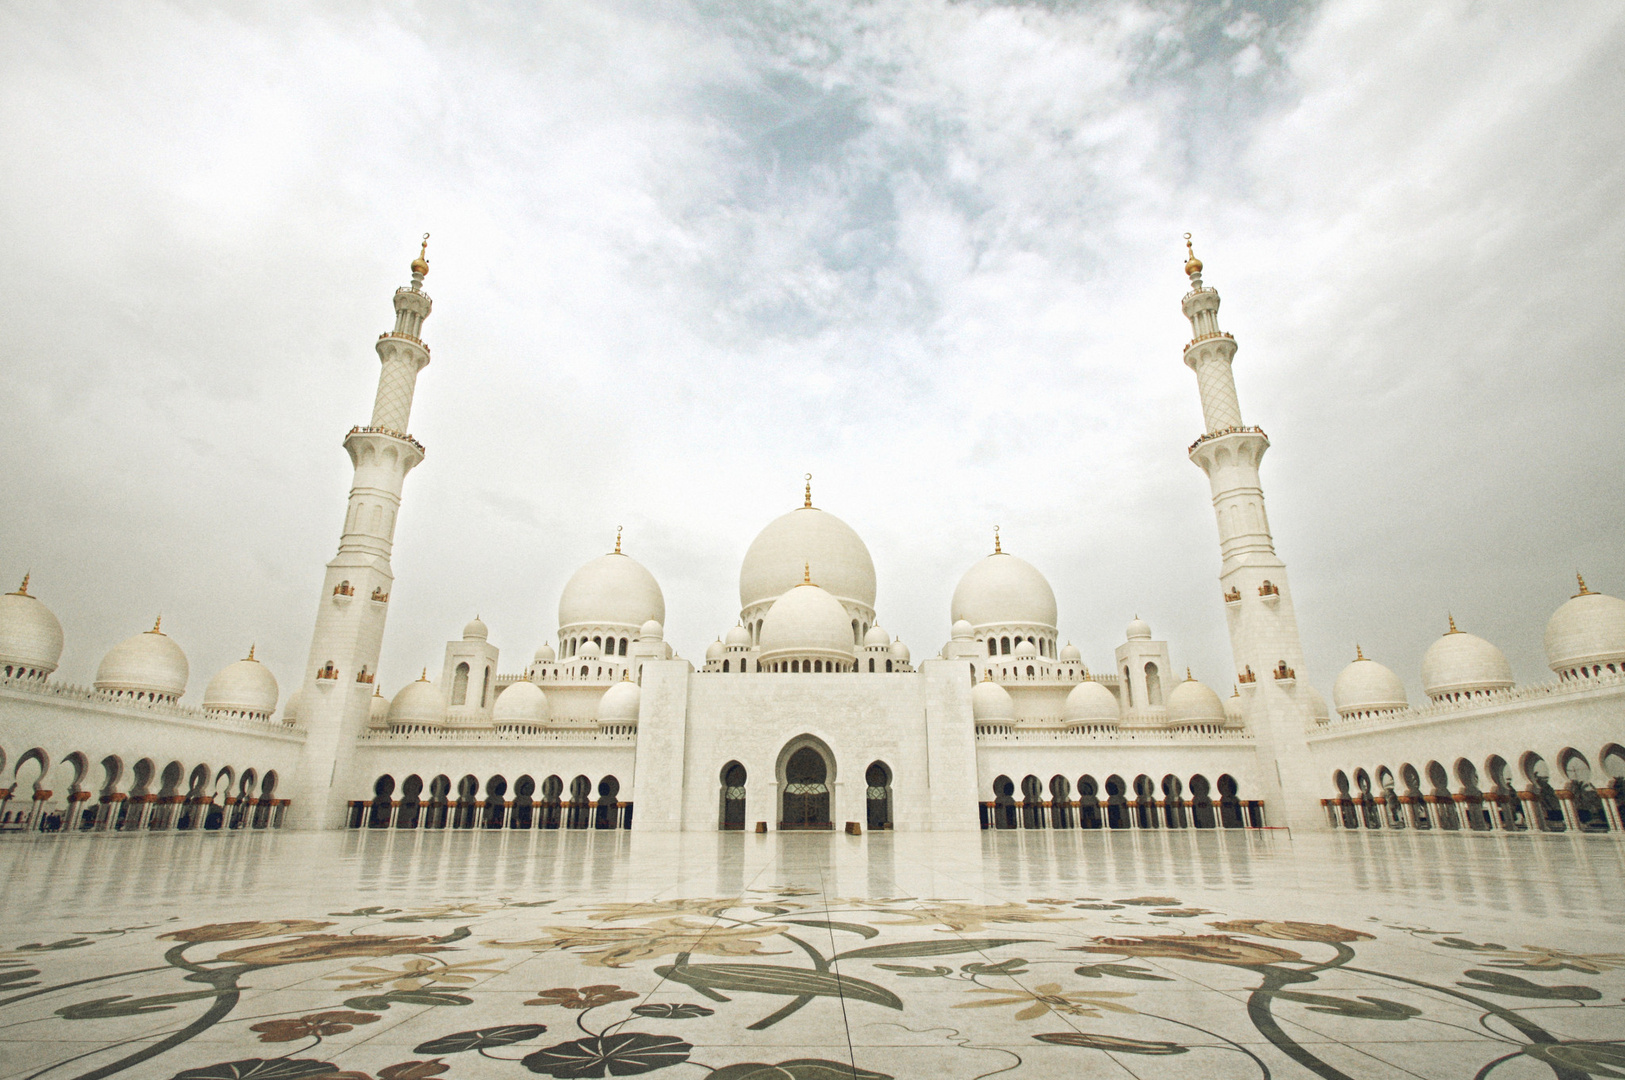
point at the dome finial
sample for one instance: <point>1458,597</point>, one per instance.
<point>617,539</point>
<point>1188,676</point>
<point>425,676</point>
<point>157,625</point>
<point>1193,265</point>
<point>420,265</point>
<point>1452,629</point>
<point>987,674</point>
<point>1359,654</point>
<point>997,549</point>
<point>807,497</point>
<point>806,573</point>
<point>1577,577</point>
<point>251,652</point>
<point>22,590</point>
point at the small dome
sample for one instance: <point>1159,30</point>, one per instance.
<point>1026,650</point>
<point>520,702</point>
<point>1318,710</point>
<point>1071,655</point>
<point>1588,629</point>
<point>418,703</point>
<point>620,702</point>
<point>1138,630</point>
<point>30,636</point>
<point>290,711</point>
<point>738,637</point>
<point>990,701</point>
<point>149,663</point>
<point>476,631</point>
<point>962,631</point>
<point>377,715</point>
<point>546,654</point>
<point>1235,711</point>
<point>1366,686</point>
<point>1192,702</point>
<point>876,637</point>
<point>807,536</point>
<point>590,650</point>
<point>611,590</point>
<point>713,651</point>
<point>246,686</point>
<point>1090,702</point>
<point>651,631</point>
<point>899,651</point>
<point>1461,663</point>
<point>806,620</point>
<point>1004,590</point>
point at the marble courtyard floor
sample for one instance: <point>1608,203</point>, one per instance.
<point>1151,955</point>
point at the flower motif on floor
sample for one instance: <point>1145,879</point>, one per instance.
<point>308,947</point>
<point>648,910</point>
<point>412,1070</point>
<point>336,1022</point>
<point>587,997</point>
<point>960,917</point>
<point>244,931</point>
<point>1540,958</point>
<point>1291,931</point>
<point>1203,948</point>
<point>615,946</point>
<point>625,1054</point>
<point>1049,997</point>
<point>414,974</point>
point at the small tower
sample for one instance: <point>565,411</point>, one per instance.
<point>335,695</point>
<point>1252,577</point>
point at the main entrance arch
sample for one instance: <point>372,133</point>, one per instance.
<point>806,770</point>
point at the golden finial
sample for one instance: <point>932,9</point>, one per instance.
<point>420,265</point>
<point>1452,629</point>
<point>807,495</point>
<point>1235,690</point>
<point>425,676</point>
<point>157,625</point>
<point>22,590</point>
<point>377,691</point>
<point>626,676</point>
<point>1193,265</point>
<point>1188,676</point>
<point>806,573</point>
<point>987,674</point>
<point>251,652</point>
<point>617,539</point>
<point>1359,654</point>
<point>997,549</point>
<point>1577,577</point>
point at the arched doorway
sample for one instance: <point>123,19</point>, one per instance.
<point>1548,810</point>
<point>609,806</point>
<point>1060,802</point>
<point>580,815</point>
<point>1583,797</point>
<point>1230,810</point>
<point>522,816</point>
<point>382,806</point>
<point>733,797</point>
<point>1005,814</point>
<point>806,791</point>
<point>1202,815</point>
<point>877,780</point>
<point>1032,802</point>
<point>496,807</point>
<point>1173,802</point>
<point>1088,803</point>
<point>411,791</point>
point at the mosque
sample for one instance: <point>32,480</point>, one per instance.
<point>1003,727</point>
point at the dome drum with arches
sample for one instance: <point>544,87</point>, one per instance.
<point>612,593</point>
<point>30,636</point>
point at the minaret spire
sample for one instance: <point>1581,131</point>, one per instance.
<point>1263,628</point>
<point>355,591</point>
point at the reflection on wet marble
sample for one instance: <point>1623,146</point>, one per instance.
<point>1150,955</point>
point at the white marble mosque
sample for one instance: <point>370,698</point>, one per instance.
<point>1004,726</point>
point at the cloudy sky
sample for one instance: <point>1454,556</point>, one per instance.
<point>929,252</point>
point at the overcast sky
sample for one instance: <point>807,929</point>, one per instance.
<point>929,252</point>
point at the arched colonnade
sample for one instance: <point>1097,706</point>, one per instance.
<point>1119,804</point>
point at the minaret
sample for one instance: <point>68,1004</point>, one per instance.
<point>1252,578</point>
<point>335,693</point>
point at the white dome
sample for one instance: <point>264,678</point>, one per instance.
<point>611,590</point>
<point>1025,650</point>
<point>590,650</point>
<point>899,651</point>
<point>738,637</point>
<point>1071,655</point>
<point>713,651</point>
<point>1192,702</point>
<point>990,701</point>
<point>476,630</point>
<point>1461,663</point>
<point>149,663</point>
<point>520,702</point>
<point>30,636</point>
<point>1235,714</point>
<point>876,637</point>
<point>246,686</point>
<point>806,620</point>
<point>1138,630</point>
<point>807,537</point>
<point>1090,702</point>
<point>377,715</point>
<point>651,631</point>
<point>1367,686</point>
<point>1588,629</point>
<point>290,711</point>
<point>1004,590</point>
<point>1318,710</point>
<point>546,654</point>
<point>962,631</point>
<point>620,702</point>
<point>418,703</point>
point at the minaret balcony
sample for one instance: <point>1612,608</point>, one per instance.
<point>1233,597</point>
<point>1242,429</point>
<point>388,334</point>
<point>401,435</point>
<point>1270,594</point>
<point>1195,341</point>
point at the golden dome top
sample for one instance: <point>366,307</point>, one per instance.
<point>420,265</point>
<point>1193,265</point>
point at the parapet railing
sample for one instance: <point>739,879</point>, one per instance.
<point>1486,700</point>
<point>106,700</point>
<point>1238,429</point>
<point>401,435</point>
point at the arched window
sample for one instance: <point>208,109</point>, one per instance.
<point>1128,688</point>
<point>485,688</point>
<point>733,797</point>
<point>806,793</point>
<point>1004,646</point>
<point>596,640</point>
<point>1153,685</point>
<point>725,667</point>
<point>459,685</point>
<point>877,779</point>
<point>1029,671</point>
<point>888,664</point>
<point>992,647</point>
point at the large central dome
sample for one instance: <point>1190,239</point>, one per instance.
<point>807,538</point>
<point>1004,590</point>
<point>611,590</point>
